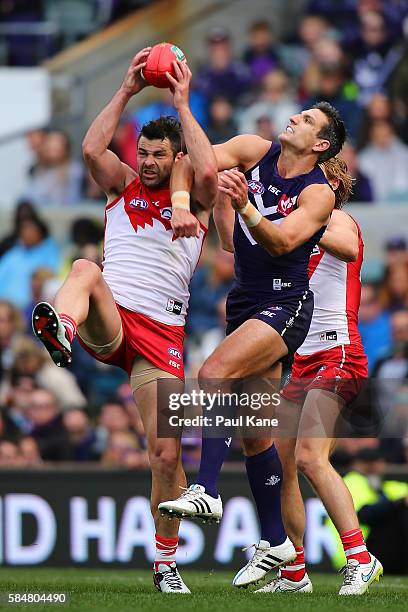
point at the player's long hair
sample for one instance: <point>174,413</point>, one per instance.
<point>335,168</point>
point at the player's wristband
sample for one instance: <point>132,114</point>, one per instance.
<point>180,199</point>
<point>251,216</point>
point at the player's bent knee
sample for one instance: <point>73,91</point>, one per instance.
<point>208,372</point>
<point>309,462</point>
<point>164,460</point>
<point>84,267</point>
<point>214,370</point>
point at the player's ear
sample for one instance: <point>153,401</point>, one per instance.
<point>334,183</point>
<point>321,145</point>
<point>179,156</point>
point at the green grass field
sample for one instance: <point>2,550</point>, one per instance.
<point>126,590</point>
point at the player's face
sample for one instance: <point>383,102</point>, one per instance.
<point>155,159</point>
<point>302,132</point>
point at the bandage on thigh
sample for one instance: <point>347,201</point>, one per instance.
<point>104,350</point>
<point>143,372</point>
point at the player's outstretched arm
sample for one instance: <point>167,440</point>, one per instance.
<point>341,237</point>
<point>199,149</point>
<point>106,168</point>
<point>315,204</point>
<point>242,152</point>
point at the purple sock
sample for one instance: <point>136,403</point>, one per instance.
<point>265,478</point>
<point>213,454</point>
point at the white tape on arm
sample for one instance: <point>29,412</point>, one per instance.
<point>180,199</point>
<point>251,216</point>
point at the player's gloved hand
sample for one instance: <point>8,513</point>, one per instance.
<point>234,184</point>
<point>184,224</point>
<point>133,81</point>
<point>180,85</point>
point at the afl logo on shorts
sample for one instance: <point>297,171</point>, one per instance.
<point>256,187</point>
<point>174,352</point>
<point>165,213</point>
<point>139,203</point>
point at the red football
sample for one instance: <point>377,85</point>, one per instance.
<point>159,61</point>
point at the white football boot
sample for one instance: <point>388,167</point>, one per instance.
<point>358,576</point>
<point>283,585</point>
<point>48,328</point>
<point>168,580</point>
<point>194,503</point>
<point>265,559</point>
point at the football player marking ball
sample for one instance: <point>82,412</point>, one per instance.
<point>159,61</point>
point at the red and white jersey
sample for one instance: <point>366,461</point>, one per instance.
<point>337,290</point>
<point>147,269</point>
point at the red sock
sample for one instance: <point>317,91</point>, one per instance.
<point>295,570</point>
<point>165,551</point>
<point>70,326</point>
<point>354,546</point>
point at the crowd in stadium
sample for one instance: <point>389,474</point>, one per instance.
<point>353,54</point>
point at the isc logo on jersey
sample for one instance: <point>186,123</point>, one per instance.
<point>256,187</point>
<point>139,203</point>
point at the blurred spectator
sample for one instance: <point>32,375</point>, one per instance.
<point>395,287</point>
<point>8,429</point>
<point>32,360</point>
<point>125,394</point>
<point>47,427</point>
<point>34,249</point>
<point>81,435</point>
<point>374,325</point>
<point>378,109</point>
<point>275,101</point>
<point>113,417</point>
<point>25,49</point>
<point>327,55</point>
<point>86,243</point>
<point>222,75</point>
<point>332,87</point>
<point>11,328</point>
<point>29,451</point>
<point>23,211</point>
<point>362,191</point>
<point>38,280</point>
<point>221,123</point>
<point>16,395</point>
<point>261,56</point>
<point>59,179</point>
<point>297,54</point>
<point>396,250</point>
<point>374,54</point>
<point>385,161</point>
<point>339,14</point>
<point>36,141</point>
<point>124,142</point>
<point>123,450</point>
<point>392,369</point>
<point>265,128</point>
<point>9,454</point>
